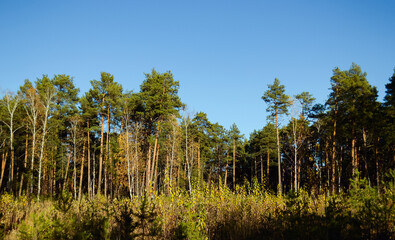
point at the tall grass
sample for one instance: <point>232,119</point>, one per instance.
<point>215,212</point>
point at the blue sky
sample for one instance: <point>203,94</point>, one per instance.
<point>224,53</point>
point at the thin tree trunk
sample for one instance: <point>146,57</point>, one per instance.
<point>340,169</point>
<point>156,168</point>
<point>226,169</point>
<point>365,155</point>
<point>24,163</point>
<point>154,156</point>
<point>32,161</point>
<point>377,165</point>
<point>74,161</point>
<point>198,160</point>
<point>42,147</point>
<point>186,157</point>
<point>268,167</point>
<point>255,168</point>
<point>81,172</point>
<point>294,125</point>
<point>280,186</point>
<point>107,164</point>
<point>11,111</point>
<point>89,163</point>
<point>3,165</point>
<point>334,147</point>
<point>94,173</point>
<point>136,160</point>
<point>148,170</point>
<point>172,156</point>
<point>353,157</point>
<point>234,163</point>
<point>67,170</point>
<point>128,157</point>
<point>299,167</point>
<point>101,150</point>
<point>54,177</point>
<point>260,156</point>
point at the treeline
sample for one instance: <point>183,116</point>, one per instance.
<point>122,143</point>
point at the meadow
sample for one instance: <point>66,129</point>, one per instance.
<point>215,212</point>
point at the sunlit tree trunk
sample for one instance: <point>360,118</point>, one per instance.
<point>11,104</point>
<point>47,102</point>
<point>261,168</point>
<point>294,129</point>
<point>234,163</point>
<point>267,166</point>
<point>280,186</point>
<point>107,164</point>
<point>172,156</point>
<point>32,113</point>
<point>81,172</point>
<point>128,153</point>
<point>226,168</point>
<point>101,150</point>
<point>67,170</point>
<point>198,162</point>
<point>24,163</point>
<point>89,162</point>
<point>3,165</point>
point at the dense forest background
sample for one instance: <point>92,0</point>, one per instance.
<point>122,143</point>
<point>116,164</point>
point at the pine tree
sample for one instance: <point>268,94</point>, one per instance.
<point>278,103</point>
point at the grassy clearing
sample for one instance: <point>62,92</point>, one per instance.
<point>249,212</point>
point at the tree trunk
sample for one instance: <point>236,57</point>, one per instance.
<point>280,187</point>
<point>128,157</point>
<point>268,166</point>
<point>3,165</point>
<point>353,156</point>
<point>299,167</point>
<point>234,163</point>
<point>334,147</point>
<point>296,156</point>
<point>153,164</point>
<point>12,156</point>
<point>108,163</point>
<point>101,150</point>
<point>255,168</point>
<point>365,154</point>
<point>74,162</point>
<point>156,169</point>
<point>198,159</point>
<point>89,163</point>
<point>226,168</point>
<point>24,164</point>
<point>42,149</point>
<point>67,170</point>
<point>81,172</point>
<point>377,165</point>
<point>172,157</point>
<point>261,168</point>
<point>148,170</point>
<point>32,161</point>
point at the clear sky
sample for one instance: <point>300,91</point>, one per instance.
<point>224,53</point>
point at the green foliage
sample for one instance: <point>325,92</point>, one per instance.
<point>64,202</point>
<point>217,213</point>
<point>146,219</point>
<point>123,219</point>
<point>276,99</point>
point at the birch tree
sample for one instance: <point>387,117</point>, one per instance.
<point>47,95</point>
<point>11,102</point>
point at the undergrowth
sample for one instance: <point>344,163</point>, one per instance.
<point>215,212</point>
